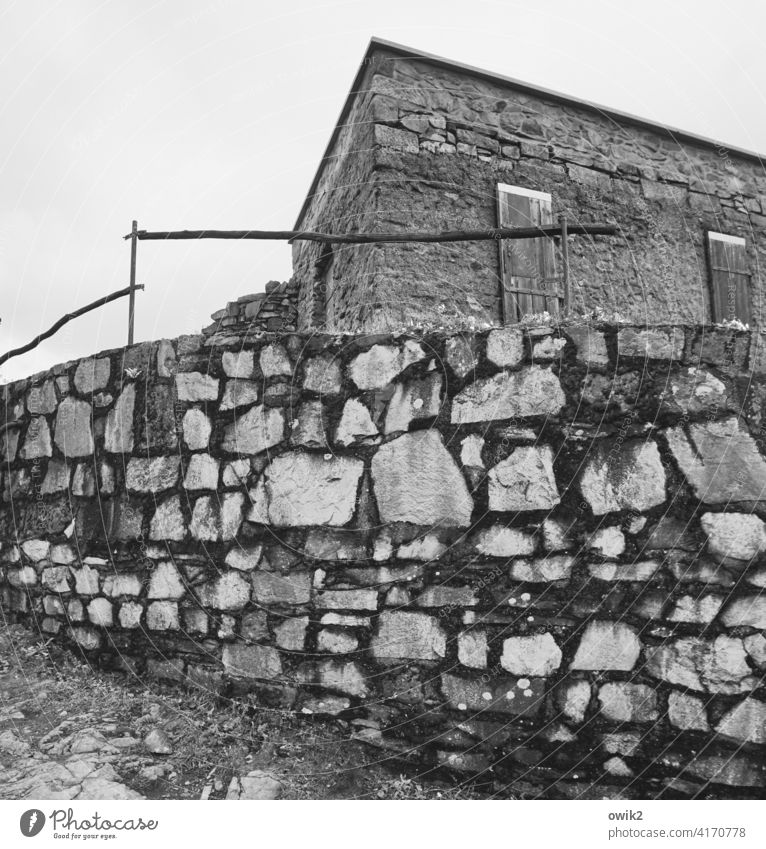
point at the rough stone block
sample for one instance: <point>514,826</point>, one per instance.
<point>590,345</point>
<point>275,362</point>
<point>333,641</point>
<point>651,343</point>
<point>37,442</point>
<point>460,354</point>
<point>122,584</point>
<point>740,536</point>
<point>153,474</point>
<point>195,386</point>
<point>720,461</point>
<point>542,570</point>
<point>415,399</point>
<point>745,612</point>
<point>243,661</point>
<point>533,391</point>
<point>307,489</point>
<point>623,477</point>
<point>745,722</point>
<point>416,480</point>
<point>343,677</point>
<point>572,699</point>
<point>73,434</point>
<point>622,701</point>
<point>718,666</point>
<point>290,633</point>
<point>524,481</point>
<point>377,367</point>
<point>505,347</point>
<point>396,139</point>
<point>401,634</point>
<point>41,400</point>
<point>308,428</point>
<point>607,645</point>
<point>92,375</point>
<point>275,588</point>
<point>129,614</point>
<point>100,612</point>
<point>537,655</point>
<point>166,582</point>
<point>259,429</point>
<point>347,600</point>
<point>322,375</point>
<point>229,591</point>
<point>686,712</point>
<point>237,363</point>
<point>472,649</point>
<point>441,596</point>
<point>518,697</point>
<point>168,521</point>
<point>196,429</point>
<point>118,437</point>
<point>202,472</point>
<point>162,616</point>
<point>239,393</point>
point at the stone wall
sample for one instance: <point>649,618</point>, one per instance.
<point>440,139</point>
<point>274,310</point>
<point>532,551</point>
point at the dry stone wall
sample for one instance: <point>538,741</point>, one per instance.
<point>533,551</point>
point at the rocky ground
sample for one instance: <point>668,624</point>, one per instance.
<point>67,732</point>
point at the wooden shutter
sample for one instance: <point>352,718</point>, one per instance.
<point>729,278</point>
<point>527,266</point>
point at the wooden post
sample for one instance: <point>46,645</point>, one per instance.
<point>565,262</point>
<point>132,298</point>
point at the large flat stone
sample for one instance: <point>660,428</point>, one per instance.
<point>524,481</point>
<point>536,654</point>
<point>741,536</point>
<point>623,477</point>
<point>533,391</point>
<point>153,474</point>
<point>243,661</point>
<point>416,480</point>
<point>720,460</point>
<point>118,437</point>
<point>415,399</point>
<point>259,429</point>
<point>73,435</point>
<point>306,489</point>
<point>37,442</point>
<point>92,375</point>
<point>718,666</point>
<point>195,386</point>
<point>377,367</point>
<point>401,634</point>
<point>745,722</point>
<point>607,645</point>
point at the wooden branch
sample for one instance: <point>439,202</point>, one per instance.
<point>64,320</point>
<point>488,234</point>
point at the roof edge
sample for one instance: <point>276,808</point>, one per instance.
<point>527,88</point>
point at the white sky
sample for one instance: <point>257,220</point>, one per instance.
<point>215,114</point>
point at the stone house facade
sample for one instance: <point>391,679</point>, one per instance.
<point>429,144</point>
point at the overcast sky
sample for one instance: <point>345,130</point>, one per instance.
<point>215,114</point>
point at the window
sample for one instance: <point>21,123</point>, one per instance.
<point>729,278</point>
<point>323,278</point>
<point>527,266</point>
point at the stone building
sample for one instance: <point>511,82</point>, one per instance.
<point>426,143</point>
